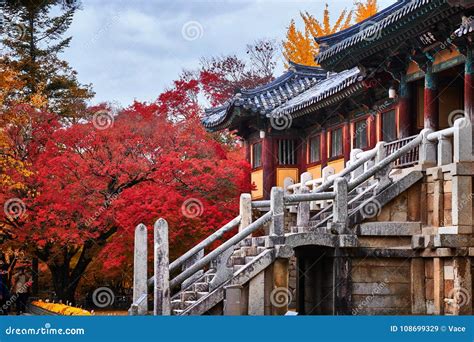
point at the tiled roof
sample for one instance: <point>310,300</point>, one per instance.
<point>332,39</point>
<point>401,22</point>
<point>263,99</point>
<point>466,27</point>
<point>334,84</point>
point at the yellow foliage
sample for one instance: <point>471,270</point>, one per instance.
<point>63,310</point>
<point>365,10</point>
<point>300,47</point>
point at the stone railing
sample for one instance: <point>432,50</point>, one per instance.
<point>370,169</point>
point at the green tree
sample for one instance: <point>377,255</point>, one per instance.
<point>34,37</point>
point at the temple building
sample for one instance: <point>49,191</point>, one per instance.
<point>383,79</point>
<point>363,180</point>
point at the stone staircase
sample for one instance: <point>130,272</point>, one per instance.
<point>243,255</point>
<point>353,196</point>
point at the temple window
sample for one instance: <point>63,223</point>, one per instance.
<point>256,155</point>
<point>286,152</point>
<point>389,126</point>
<point>314,149</point>
<point>360,134</point>
<point>336,142</point>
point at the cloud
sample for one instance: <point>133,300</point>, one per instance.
<point>134,49</point>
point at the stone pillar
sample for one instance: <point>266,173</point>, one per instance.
<point>404,123</point>
<point>445,154</point>
<point>257,295</point>
<point>245,211</point>
<point>461,203</point>
<point>340,211</point>
<point>431,102</point>
<point>438,198</point>
<point>140,261</point>
<point>280,297</point>
<point>418,288</point>
<point>342,267</point>
<point>462,291</point>
<point>346,136</point>
<point>324,148</point>
<point>302,218</point>
<point>277,226</point>
<point>162,304</point>
<point>268,163</point>
<point>233,300</point>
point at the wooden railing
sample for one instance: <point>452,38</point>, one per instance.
<point>408,159</point>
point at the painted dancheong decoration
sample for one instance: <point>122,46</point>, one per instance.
<point>363,172</point>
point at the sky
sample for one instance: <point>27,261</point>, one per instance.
<point>133,50</point>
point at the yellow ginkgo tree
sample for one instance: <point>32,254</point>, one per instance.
<point>300,46</point>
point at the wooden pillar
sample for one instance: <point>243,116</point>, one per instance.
<point>372,128</point>
<point>268,162</point>
<point>469,87</point>
<point>324,148</point>
<point>346,137</point>
<point>247,147</point>
<point>431,114</point>
<point>404,122</point>
<point>301,152</point>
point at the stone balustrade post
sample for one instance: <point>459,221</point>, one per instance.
<point>360,170</point>
<point>245,211</point>
<point>302,218</point>
<point>340,211</point>
<point>462,140</point>
<point>140,261</point>
<point>427,150</point>
<point>277,227</point>
<point>445,155</point>
<point>162,302</point>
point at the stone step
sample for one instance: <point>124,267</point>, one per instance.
<point>187,295</point>
<point>201,287</point>
<point>202,294</point>
<point>177,312</point>
<point>236,268</point>
<point>234,260</point>
<point>247,242</point>
<point>258,241</point>
<point>249,251</point>
<point>249,259</point>
<point>176,304</point>
<point>260,250</point>
<point>189,303</point>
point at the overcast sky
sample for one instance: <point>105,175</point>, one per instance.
<point>134,49</point>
